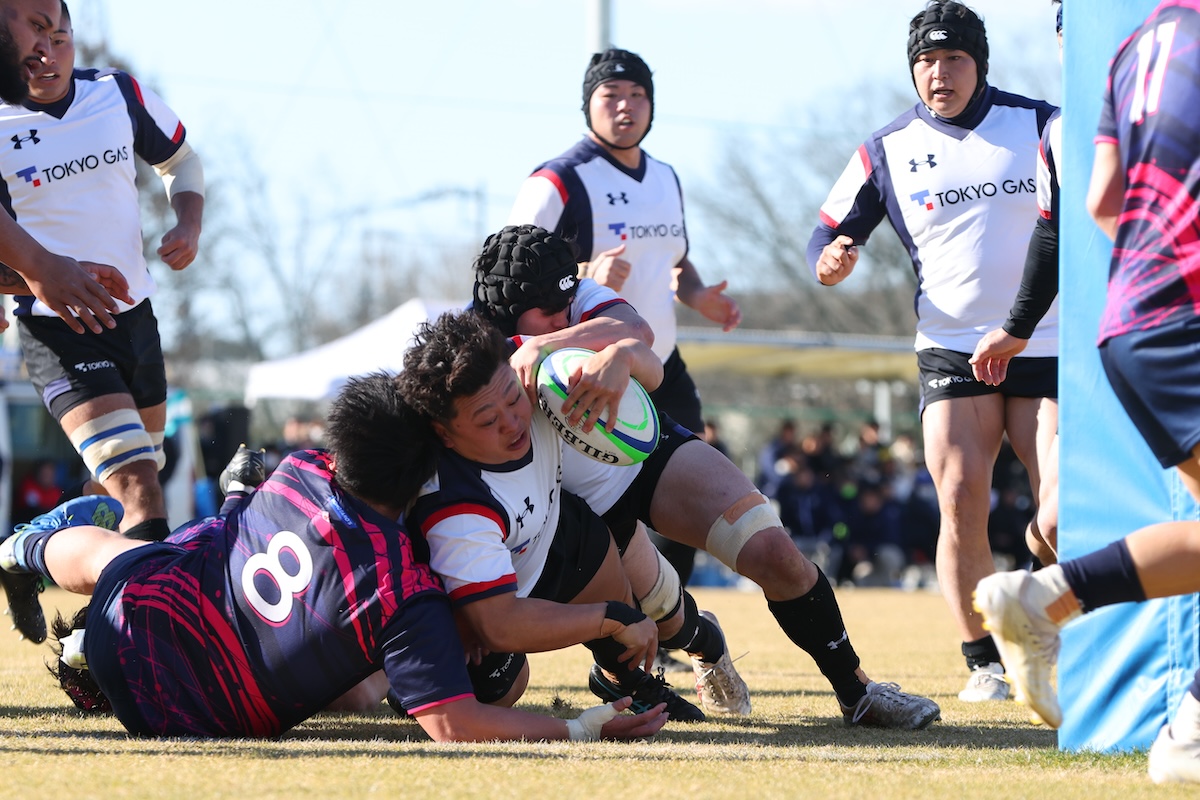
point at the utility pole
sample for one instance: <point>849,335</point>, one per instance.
<point>599,26</point>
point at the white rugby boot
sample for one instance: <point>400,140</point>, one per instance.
<point>1024,612</point>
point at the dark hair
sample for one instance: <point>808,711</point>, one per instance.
<point>523,267</point>
<point>383,451</point>
<point>78,684</point>
<point>66,12</point>
<point>454,356</point>
<point>949,25</point>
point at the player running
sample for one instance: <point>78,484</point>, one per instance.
<point>954,175</point>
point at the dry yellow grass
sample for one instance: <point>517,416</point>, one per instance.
<point>794,744</point>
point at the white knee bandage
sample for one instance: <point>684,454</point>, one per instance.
<point>729,534</point>
<point>667,593</point>
<point>111,441</point>
<point>156,438</point>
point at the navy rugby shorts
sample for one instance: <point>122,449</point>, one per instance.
<point>1156,375</point>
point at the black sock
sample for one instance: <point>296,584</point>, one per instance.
<point>149,530</point>
<point>814,622</point>
<point>1104,577</point>
<point>698,636</point>
<point>980,652</point>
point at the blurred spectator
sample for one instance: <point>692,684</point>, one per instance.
<point>811,511</point>
<point>875,550</point>
<point>770,458</point>
<point>38,492</point>
<point>869,453</point>
<point>822,456</point>
<point>712,435</point>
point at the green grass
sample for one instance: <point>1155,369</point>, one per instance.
<point>793,745</point>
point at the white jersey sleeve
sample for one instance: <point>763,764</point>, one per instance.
<point>540,201</point>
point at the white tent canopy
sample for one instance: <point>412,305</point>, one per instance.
<point>317,374</point>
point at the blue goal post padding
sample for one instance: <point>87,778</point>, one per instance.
<point>1123,669</point>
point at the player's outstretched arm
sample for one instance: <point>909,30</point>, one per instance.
<point>506,623</point>
<point>468,720</point>
<point>711,301</point>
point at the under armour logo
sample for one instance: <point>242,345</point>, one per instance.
<point>834,645</point>
<point>522,516</point>
<point>938,35</point>
<point>927,160</point>
<point>32,138</point>
<point>613,198</point>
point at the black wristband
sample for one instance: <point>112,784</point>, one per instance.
<point>626,615</point>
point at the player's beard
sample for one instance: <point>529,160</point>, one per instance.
<point>13,87</point>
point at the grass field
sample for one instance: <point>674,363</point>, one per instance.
<point>794,744</point>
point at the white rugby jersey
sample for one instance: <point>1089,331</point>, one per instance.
<point>963,199</point>
<point>587,196</point>
<point>490,527</point>
<point>1048,169</point>
<point>68,172</point>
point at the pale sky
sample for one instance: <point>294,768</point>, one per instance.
<point>356,108</point>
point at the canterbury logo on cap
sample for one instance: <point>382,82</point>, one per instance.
<point>938,35</point>
<point>566,283</point>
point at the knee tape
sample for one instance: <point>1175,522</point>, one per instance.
<point>111,441</point>
<point>663,600</point>
<point>729,534</point>
<point>157,438</point>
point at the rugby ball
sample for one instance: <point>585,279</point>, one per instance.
<point>633,437</point>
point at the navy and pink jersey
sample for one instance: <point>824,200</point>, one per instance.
<point>68,177</point>
<point>1152,113</point>
<point>250,623</point>
<point>962,196</point>
<point>587,196</point>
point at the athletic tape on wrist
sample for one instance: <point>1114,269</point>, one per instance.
<point>586,727</point>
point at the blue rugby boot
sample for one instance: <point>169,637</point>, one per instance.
<point>23,581</point>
